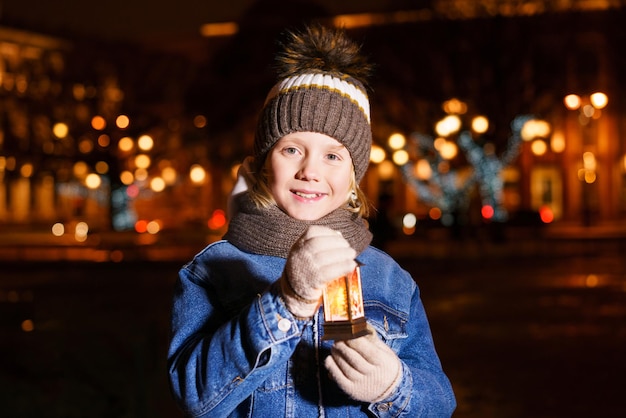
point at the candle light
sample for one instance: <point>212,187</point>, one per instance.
<point>344,316</point>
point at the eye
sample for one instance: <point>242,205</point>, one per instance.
<point>333,157</point>
<point>290,150</point>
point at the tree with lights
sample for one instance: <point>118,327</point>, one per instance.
<point>439,185</point>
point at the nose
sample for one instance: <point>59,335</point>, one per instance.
<point>309,171</point>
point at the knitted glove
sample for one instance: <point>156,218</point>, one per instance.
<point>319,256</point>
<point>365,368</point>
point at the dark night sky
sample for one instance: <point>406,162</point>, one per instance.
<point>121,18</point>
<point>136,19</point>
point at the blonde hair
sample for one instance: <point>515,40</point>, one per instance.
<point>261,195</point>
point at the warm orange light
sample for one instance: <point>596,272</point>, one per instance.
<point>396,141</point>
<point>60,130</point>
<point>400,157</point>
<point>93,181</point>
<point>535,128</point>
<point>104,140</point>
<point>79,91</point>
<point>28,325</point>
<point>80,169</point>
<point>157,184</point>
<point>434,213</point>
<point>27,170</point>
<point>127,177</point>
<point>81,230</point>
<point>85,145</point>
<point>557,143</point>
<point>197,174</point>
<point>219,29</point>
<point>169,175</point>
<point>423,170</point>
<point>153,227</point>
<point>589,161</point>
<point>599,100</point>
<point>538,147</point>
<point>102,167</point>
<point>572,101</point>
<point>344,314</point>
<point>199,121</point>
<point>386,170</point>
<point>448,150</point>
<point>98,123</point>
<point>454,106</point>
<point>377,154</point>
<point>480,124</point>
<point>58,229</point>
<point>356,20</point>
<point>142,161</point>
<point>122,121</point>
<point>591,280</point>
<point>448,125</point>
<point>126,144</point>
<point>145,142</point>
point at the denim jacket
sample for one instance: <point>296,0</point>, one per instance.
<point>236,351</point>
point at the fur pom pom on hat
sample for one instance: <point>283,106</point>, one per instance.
<point>321,88</point>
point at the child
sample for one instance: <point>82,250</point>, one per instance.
<point>247,328</point>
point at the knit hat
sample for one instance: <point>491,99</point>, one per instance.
<point>321,89</point>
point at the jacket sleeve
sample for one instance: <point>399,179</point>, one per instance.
<point>215,362</point>
<point>424,390</point>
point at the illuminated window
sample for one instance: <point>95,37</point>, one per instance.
<point>546,190</point>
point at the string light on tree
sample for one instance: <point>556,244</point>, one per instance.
<point>447,189</point>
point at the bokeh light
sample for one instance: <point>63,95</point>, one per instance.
<point>145,142</point>
<point>377,154</point>
<point>217,219</point>
<point>93,181</point>
<point>126,144</point>
<point>197,174</point>
<point>396,141</point>
<point>400,157</point>
<point>60,130</point>
<point>98,123</point>
<point>122,121</point>
<point>58,229</point>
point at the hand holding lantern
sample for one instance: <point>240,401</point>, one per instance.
<point>318,257</point>
<point>365,368</point>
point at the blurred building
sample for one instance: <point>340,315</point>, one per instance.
<point>124,137</point>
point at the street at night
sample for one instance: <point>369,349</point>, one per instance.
<point>519,336</point>
<point>488,137</point>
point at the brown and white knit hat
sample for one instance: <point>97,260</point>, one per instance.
<point>320,89</point>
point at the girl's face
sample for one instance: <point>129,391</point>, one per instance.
<point>309,175</point>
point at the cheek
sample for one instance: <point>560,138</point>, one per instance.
<point>275,180</point>
<point>344,185</point>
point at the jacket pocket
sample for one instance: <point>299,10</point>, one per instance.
<point>389,323</point>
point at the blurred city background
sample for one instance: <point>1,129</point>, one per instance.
<point>498,174</point>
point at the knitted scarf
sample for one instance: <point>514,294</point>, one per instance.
<point>271,231</point>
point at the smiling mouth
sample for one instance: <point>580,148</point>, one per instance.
<point>307,195</point>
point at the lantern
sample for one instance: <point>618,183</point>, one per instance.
<point>344,316</point>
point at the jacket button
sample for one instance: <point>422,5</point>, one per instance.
<point>284,325</point>
<point>383,407</point>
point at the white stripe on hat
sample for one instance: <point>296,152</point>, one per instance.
<point>323,81</point>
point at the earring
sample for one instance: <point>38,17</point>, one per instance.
<point>354,201</point>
